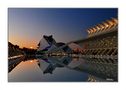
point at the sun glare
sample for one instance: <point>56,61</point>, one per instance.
<point>31,61</point>
<point>31,47</point>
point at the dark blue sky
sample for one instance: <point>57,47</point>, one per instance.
<point>28,25</point>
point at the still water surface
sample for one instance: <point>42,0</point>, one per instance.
<point>54,69</point>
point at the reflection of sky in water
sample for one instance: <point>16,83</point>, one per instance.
<point>30,71</point>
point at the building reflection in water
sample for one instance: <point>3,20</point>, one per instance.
<point>96,71</point>
<point>102,70</point>
<point>49,65</point>
<point>13,63</point>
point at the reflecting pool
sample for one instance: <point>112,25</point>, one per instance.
<point>59,69</point>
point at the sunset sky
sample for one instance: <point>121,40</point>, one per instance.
<point>26,26</point>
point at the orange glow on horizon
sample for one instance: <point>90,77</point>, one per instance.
<point>23,42</point>
<point>31,47</point>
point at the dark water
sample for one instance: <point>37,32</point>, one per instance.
<point>59,69</point>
